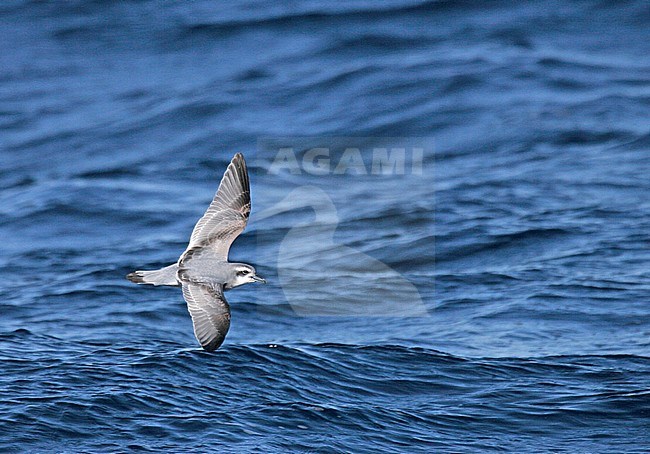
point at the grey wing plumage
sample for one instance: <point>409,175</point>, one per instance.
<point>210,313</point>
<point>228,213</point>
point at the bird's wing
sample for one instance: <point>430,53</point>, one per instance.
<point>210,313</point>
<point>227,215</point>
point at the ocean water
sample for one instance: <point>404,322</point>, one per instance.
<point>493,296</point>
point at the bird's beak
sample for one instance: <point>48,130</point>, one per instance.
<point>259,279</point>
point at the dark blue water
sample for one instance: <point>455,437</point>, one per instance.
<point>526,235</point>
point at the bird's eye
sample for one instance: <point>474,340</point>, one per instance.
<point>242,272</point>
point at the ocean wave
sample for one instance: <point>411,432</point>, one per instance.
<point>524,235</point>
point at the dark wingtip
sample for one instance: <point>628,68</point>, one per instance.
<point>239,161</point>
<point>212,346</point>
<point>241,170</point>
<point>135,277</point>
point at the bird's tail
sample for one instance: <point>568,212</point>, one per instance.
<point>163,276</point>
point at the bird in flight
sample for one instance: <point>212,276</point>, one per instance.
<point>203,270</point>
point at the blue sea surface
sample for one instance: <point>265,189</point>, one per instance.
<point>526,233</point>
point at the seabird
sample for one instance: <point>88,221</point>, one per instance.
<point>203,270</point>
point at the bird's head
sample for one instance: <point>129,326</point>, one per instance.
<point>242,274</point>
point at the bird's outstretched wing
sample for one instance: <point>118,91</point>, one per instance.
<point>210,313</point>
<point>226,216</point>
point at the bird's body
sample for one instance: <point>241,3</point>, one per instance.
<point>203,270</point>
